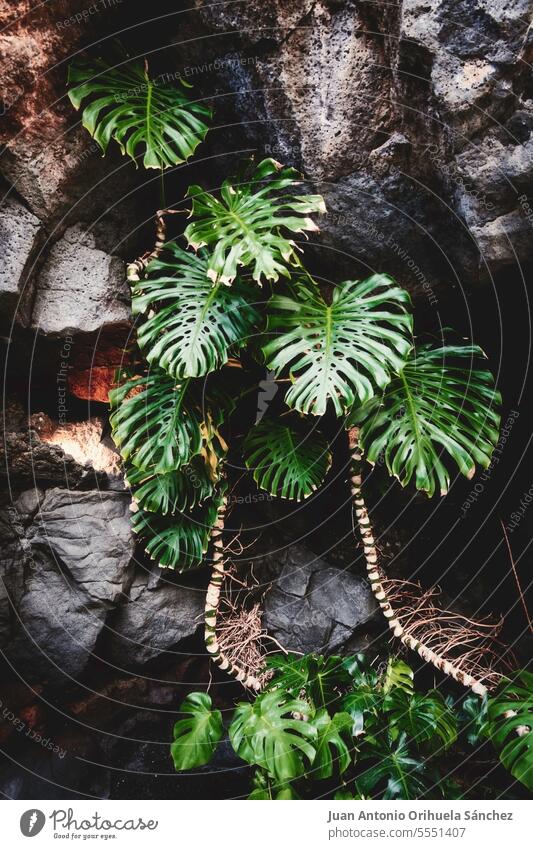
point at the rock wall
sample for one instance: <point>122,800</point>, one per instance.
<point>414,119</point>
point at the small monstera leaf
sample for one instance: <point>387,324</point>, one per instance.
<point>288,461</point>
<point>247,222</point>
<point>155,425</point>
<point>195,323</point>
<point>320,678</point>
<point>178,541</point>
<point>174,492</point>
<point>144,116</point>
<point>398,676</point>
<point>197,734</point>
<point>393,773</point>
<point>510,714</point>
<point>425,717</point>
<point>439,408</point>
<point>265,733</point>
<point>332,751</point>
<point>341,352</point>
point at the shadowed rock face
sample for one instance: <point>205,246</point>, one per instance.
<point>312,606</point>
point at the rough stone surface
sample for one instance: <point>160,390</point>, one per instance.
<point>312,606</point>
<point>413,119</point>
<point>89,534</point>
<point>25,459</point>
<point>62,573</point>
<point>80,288</point>
<point>83,441</point>
<point>19,237</point>
<point>57,623</point>
<point>159,614</point>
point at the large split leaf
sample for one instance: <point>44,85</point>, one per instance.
<point>440,407</point>
<point>197,734</point>
<point>341,352</point>
<point>178,541</point>
<point>173,492</point>
<point>393,772</point>
<point>320,678</point>
<point>289,460</point>
<point>333,752</point>
<point>510,714</point>
<point>246,223</point>
<point>195,323</point>
<point>265,733</point>
<point>424,716</point>
<point>147,117</point>
<point>154,423</point>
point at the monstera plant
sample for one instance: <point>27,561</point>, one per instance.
<point>233,290</point>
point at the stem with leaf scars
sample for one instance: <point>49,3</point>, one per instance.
<point>136,268</point>
<point>377,580</point>
<point>212,602</point>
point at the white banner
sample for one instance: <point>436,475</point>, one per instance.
<point>263,825</point>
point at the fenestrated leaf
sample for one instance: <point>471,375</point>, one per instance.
<point>398,676</point>
<point>341,352</point>
<point>154,424</point>
<point>510,714</point>
<point>424,716</point>
<point>144,116</point>
<point>266,734</point>
<point>173,492</point>
<point>393,773</point>
<point>178,541</point>
<point>288,459</point>
<point>320,678</point>
<point>195,323</point>
<point>332,752</point>
<point>197,734</point>
<point>247,222</point>
<point>438,409</point>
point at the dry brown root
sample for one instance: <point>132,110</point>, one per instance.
<point>465,650</point>
<point>234,653</point>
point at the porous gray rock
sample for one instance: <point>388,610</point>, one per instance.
<point>57,624</point>
<point>312,606</point>
<point>161,612</point>
<point>80,288</point>
<point>20,232</point>
<point>62,575</point>
<point>89,534</point>
<point>414,120</point>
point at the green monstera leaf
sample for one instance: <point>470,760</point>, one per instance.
<point>287,460</point>
<point>439,408</point>
<point>156,423</point>
<point>178,541</point>
<point>194,324</point>
<point>398,676</point>
<point>147,117</point>
<point>424,716</point>
<point>510,726</point>
<point>197,734</point>
<point>246,223</point>
<point>333,753</point>
<point>341,352</point>
<point>265,733</point>
<point>393,772</point>
<point>320,678</point>
<point>173,492</point>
